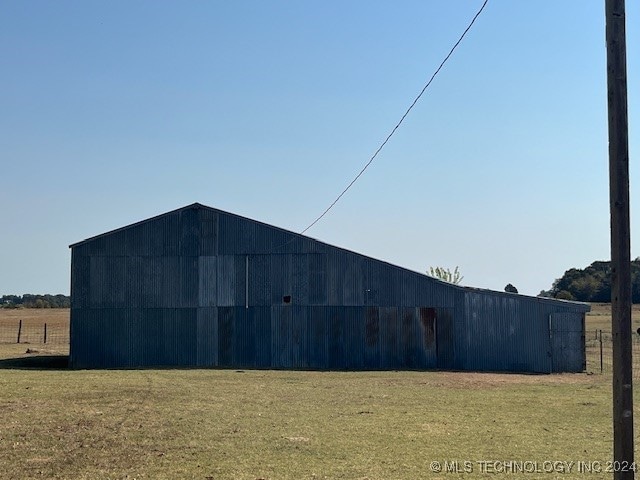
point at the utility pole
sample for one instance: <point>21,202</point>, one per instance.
<point>623,454</point>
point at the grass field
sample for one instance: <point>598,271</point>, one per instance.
<point>599,318</point>
<point>58,423</point>
<point>219,424</point>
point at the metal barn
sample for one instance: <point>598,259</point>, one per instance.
<point>199,287</point>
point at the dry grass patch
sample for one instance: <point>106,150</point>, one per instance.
<point>32,330</point>
<point>56,317</point>
<point>599,318</point>
<point>277,424</point>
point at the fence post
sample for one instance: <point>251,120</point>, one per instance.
<point>45,332</point>
<point>601,364</point>
<point>19,330</point>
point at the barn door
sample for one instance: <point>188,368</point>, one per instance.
<point>566,332</point>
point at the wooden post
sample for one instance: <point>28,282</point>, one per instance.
<point>601,363</point>
<point>45,332</point>
<point>620,236</point>
<point>19,330</point>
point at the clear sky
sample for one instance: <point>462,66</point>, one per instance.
<point>112,112</point>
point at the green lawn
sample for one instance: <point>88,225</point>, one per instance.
<point>217,424</point>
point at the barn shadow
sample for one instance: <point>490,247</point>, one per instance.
<point>36,362</point>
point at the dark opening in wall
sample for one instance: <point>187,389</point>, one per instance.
<point>286,299</point>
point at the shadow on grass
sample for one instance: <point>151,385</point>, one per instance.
<point>36,362</point>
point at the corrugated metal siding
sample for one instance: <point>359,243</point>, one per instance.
<point>506,334</point>
<point>226,336</point>
<point>200,287</point>
<point>390,334</point>
<point>445,332</point>
<point>245,338</point>
<point>259,280</point>
<point>226,281</point>
<point>208,232</point>
<point>262,317</point>
<point>317,279</point>
<point>208,281</point>
<point>372,358</point>
<point>318,337</point>
<point>207,337</point>
<point>189,233</point>
<point>80,280</point>
<point>567,342</point>
<point>353,321</point>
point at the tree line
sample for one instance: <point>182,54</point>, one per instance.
<point>592,284</point>
<point>35,301</point>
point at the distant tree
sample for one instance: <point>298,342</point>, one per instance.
<point>35,301</point>
<point>564,295</point>
<point>510,289</point>
<point>593,283</point>
<point>446,274</point>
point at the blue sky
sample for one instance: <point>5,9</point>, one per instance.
<point>113,112</point>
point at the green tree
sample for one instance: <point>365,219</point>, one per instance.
<point>446,274</point>
<point>510,288</point>
<point>593,283</point>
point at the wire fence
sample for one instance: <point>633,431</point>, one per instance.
<point>599,353</point>
<point>55,335</point>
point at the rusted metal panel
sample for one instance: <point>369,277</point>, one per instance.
<point>390,334</point>
<point>445,337</point>
<point>428,336</point>
<point>409,337</point>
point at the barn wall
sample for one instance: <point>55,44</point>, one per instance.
<point>507,332</point>
<point>199,287</point>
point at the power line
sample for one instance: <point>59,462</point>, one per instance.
<point>401,120</point>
